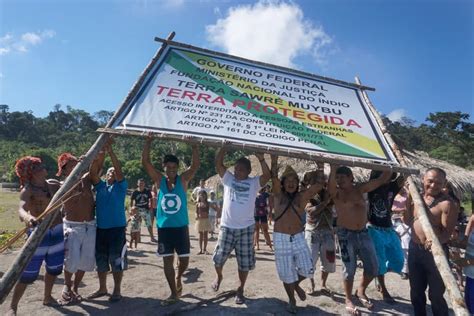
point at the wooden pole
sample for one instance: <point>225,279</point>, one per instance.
<point>342,160</point>
<point>24,256</point>
<point>457,300</point>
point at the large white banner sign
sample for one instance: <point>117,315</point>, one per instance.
<point>192,92</point>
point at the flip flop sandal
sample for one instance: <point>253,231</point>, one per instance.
<point>66,298</point>
<point>115,298</point>
<point>326,291</point>
<point>239,299</point>
<point>352,310</point>
<point>97,294</point>
<point>54,303</point>
<point>169,301</point>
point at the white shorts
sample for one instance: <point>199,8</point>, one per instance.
<point>292,257</point>
<point>79,244</point>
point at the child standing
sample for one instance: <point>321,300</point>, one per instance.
<point>134,221</point>
<point>203,225</point>
<point>213,210</point>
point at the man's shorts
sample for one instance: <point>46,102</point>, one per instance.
<point>51,250</point>
<point>261,219</point>
<point>292,257</point>
<point>173,239</point>
<point>145,215</point>
<point>111,249</point>
<point>79,246</point>
<point>240,239</point>
<point>387,248</point>
<point>353,243</point>
<point>321,243</point>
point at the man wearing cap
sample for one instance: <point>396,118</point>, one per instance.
<point>79,230</point>
<point>238,223</point>
<point>36,193</point>
<point>111,247</point>
<point>354,239</point>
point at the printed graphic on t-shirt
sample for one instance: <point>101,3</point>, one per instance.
<point>141,198</point>
<point>171,203</point>
<point>240,192</point>
<point>379,208</point>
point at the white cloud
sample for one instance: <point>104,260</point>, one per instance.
<point>10,43</point>
<point>269,31</point>
<point>397,115</point>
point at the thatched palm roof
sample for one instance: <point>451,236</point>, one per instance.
<point>461,179</point>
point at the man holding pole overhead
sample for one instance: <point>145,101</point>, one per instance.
<point>172,215</point>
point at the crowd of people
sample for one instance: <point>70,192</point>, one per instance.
<point>317,218</point>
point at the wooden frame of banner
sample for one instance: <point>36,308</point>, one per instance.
<point>323,157</point>
<point>439,256</point>
<point>12,275</point>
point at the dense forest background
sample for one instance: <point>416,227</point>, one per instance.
<point>447,136</point>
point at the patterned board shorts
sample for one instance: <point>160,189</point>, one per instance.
<point>239,239</point>
<point>51,251</point>
<point>145,216</point>
<point>292,257</point>
<point>353,244</point>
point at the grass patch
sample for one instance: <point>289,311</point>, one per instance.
<point>9,220</point>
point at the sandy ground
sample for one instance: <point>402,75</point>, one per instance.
<point>144,286</point>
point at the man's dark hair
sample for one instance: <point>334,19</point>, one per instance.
<point>171,158</point>
<point>436,169</point>
<point>244,162</point>
<point>344,170</point>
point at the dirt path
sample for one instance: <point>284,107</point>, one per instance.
<point>144,286</point>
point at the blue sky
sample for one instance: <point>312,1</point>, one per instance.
<point>418,54</point>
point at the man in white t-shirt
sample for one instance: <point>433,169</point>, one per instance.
<point>201,187</point>
<point>237,222</point>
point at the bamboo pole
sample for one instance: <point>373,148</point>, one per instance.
<point>26,253</point>
<point>368,164</point>
<point>457,300</point>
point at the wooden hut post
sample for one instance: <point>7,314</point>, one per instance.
<point>442,264</point>
<point>14,272</point>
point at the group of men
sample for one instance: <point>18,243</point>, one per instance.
<point>91,232</point>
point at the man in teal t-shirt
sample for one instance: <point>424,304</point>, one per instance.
<point>172,215</point>
<point>111,248</point>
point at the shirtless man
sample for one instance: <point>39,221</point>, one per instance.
<point>442,213</point>
<point>79,230</point>
<point>354,239</point>
<point>292,254</point>
<point>35,195</point>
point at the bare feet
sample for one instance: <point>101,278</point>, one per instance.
<point>216,283</point>
<point>51,302</point>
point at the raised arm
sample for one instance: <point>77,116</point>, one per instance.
<point>265,170</point>
<point>154,174</point>
<point>276,185</point>
<point>191,171</point>
<point>375,183</point>
<point>332,185</point>
<point>115,163</point>
<point>220,168</point>
<point>96,166</point>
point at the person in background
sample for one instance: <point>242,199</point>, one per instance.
<point>202,221</point>
<point>140,199</point>
<point>262,209</point>
<point>213,211</point>
<point>134,220</point>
